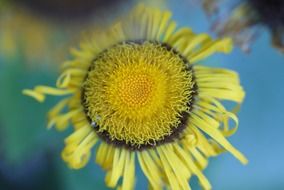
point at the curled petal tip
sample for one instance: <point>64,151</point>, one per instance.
<point>33,94</point>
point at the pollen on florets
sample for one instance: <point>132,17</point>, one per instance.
<point>137,93</point>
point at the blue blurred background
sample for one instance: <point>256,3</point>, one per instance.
<point>30,154</point>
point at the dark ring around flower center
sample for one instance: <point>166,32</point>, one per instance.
<point>176,132</point>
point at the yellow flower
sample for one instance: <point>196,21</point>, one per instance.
<point>136,91</point>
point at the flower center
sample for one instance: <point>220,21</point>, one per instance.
<point>135,90</point>
<point>138,94</point>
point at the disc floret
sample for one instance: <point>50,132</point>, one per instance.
<point>137,92</point>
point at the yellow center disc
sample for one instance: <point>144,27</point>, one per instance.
<point>135,90</point>
<point>137,93</point>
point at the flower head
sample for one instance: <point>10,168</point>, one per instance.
<point>136,90</point>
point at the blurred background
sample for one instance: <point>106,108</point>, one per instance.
<point>35,40</point>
